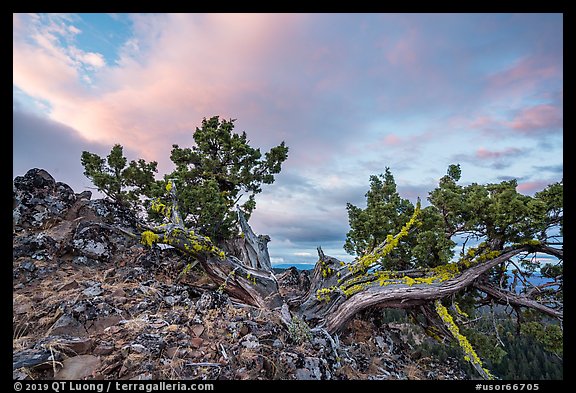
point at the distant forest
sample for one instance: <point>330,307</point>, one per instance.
<point>521,357</point>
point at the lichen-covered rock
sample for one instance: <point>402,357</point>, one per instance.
<point>312,368</point>
<point>92,242</point>
<point>38,200</point>
<point>210,300</point>
<point>36,246</point>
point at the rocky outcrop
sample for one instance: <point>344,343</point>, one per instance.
<point>89,302</point>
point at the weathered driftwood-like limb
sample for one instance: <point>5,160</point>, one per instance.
<point>337,308</point>
<point>503,297</point>
<point>252,286</point>
<point>547,249</point>
<point>249,248</point>
<point>256,246</point>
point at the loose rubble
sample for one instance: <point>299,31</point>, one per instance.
<point>91,303</point>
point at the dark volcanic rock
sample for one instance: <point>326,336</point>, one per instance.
<point>38,200</point>
<point>91,242</point>
<point>34,358</point>
<point>211,300</point>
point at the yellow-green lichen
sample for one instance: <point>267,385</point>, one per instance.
<point>169,186</point>
<point>148,238</point>
<point>158,206</point>
<point>487,256</point>
<point>187,269</point>
<point>196,244</point>
<point>435,275</point>
<point>326,270</point>
<point>459,310</point>
<point>469,353</point>
<point>354,289</point>
<point>222,286</point>
<point>367,261</point>
<point>323,294</point>
<point>251,278</point>
<point>476,255</point>
<point>531,242</point>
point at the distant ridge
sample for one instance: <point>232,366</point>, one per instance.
<point>299,266</point>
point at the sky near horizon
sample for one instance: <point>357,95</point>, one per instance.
<point>350,94</point>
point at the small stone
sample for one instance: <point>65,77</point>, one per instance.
<point>142,377</point>
<point>125,350</point>
<point>113,329</point>
<point>19,375</point>
<point>138,348</point>
<point>196,342</point>
<point>118,292</point>
<point>171,352</point>
<point>94,290</point>
<point>103,349</point>
<point>33,358</point>
<point>79,345</point>
<point>28,266</point>
<point>67,325</point>
<point>250,341</point>
<point>22,308</point>
<point>69,285</point>
<point>86,195</point>
<point>78,367</point>
<point>197,330</point>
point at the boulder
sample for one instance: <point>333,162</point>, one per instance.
<point>39,201</point>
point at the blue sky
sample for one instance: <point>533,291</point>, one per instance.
<point>350,94</point>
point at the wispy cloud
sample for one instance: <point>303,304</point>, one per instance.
<point>538,119</point>
<point>531,187</point>
<point>497,159</point>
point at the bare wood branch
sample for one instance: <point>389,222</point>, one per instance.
<point>341,310</point>
<point>516,300</point>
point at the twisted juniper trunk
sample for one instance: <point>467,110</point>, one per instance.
<point>251,285</point>
<point>332,301</point>
<point>250,248</point>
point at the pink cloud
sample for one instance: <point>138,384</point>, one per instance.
<point>482,122</point>
<point>527,120</point>
<point>40,67</point>
<point>524,69</point>
<point>538,118</point>
<point>176,69</point>
<point>391,139</point>
<point>483,153</point>
<point>404,51</point>
<point>522,78</point>
<point>531,187</point>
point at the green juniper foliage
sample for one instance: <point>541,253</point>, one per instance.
<point>492,216</point>
<point>119,180</point>
<point>218,172</point>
